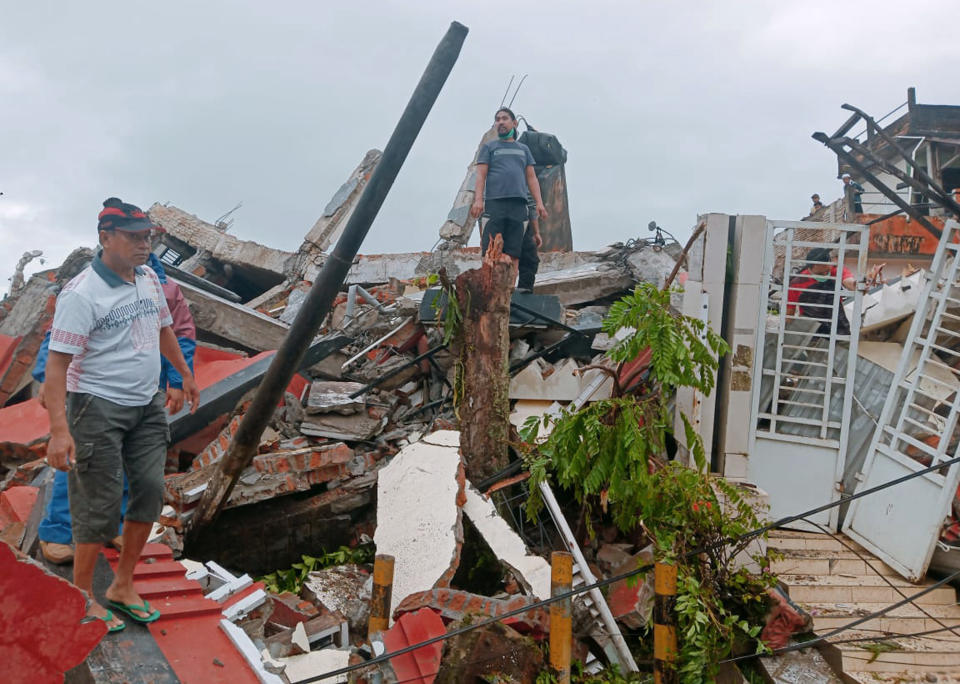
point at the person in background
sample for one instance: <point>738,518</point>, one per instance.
<point>55,532</point>
<point>856,189</point>
<point>817,204</point>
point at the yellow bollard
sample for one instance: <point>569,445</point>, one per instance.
<point>561,621</point>
<point>664,623</point>
<point>381,594</point>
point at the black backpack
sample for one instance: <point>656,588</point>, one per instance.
<point>545,148</point>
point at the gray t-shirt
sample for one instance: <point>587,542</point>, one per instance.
<point>507,162</point>
<point>112,329</point>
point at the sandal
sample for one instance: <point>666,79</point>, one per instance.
<point>108,618</point>
<point>129,608</point>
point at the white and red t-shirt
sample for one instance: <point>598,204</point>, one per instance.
<point>112,329</point>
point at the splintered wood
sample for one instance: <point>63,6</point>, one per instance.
<point>484,295</point>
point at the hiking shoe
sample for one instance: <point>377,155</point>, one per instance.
<point>58,554</point>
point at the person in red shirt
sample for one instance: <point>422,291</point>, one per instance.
<point>819,269</point>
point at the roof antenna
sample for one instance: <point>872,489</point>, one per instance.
<point>507,91</point>
<point>517,90</point>
<point>222,223</point>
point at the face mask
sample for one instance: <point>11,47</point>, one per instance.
<point>507,135</point>
<point>819,278</point>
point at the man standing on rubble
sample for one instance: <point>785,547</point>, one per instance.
<point>505,175</point>
<point>107,417</point>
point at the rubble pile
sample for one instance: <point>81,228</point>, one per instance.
<point>364,447</point>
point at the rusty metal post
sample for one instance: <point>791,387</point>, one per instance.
<point>561,612</point>
<point>381,594</point>
<point>318,302</point>
<point>664,623</point>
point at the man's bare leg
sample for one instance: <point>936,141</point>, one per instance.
<point>84,563</point>
<point>134,539</point>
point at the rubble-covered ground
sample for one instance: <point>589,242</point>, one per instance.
<point>363,451</point>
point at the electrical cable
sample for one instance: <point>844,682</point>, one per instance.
<point>849,625</point>
<point>886,579</point>
<point>690,554</point>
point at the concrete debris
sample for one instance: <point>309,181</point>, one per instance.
<point>419,497</point>
<point>344,589</point>
<point>531,571</point>
<point>358,427</point>
<point>562,381</point>
<point>334,397</point>
<point>299,667</point>
<point>334,469</point>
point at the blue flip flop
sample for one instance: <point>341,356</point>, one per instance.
<point>129,608</point>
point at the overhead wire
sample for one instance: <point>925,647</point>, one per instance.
<point>886,579</point>
<point>782,522</point>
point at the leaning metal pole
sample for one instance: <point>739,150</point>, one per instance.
<point>327,285</point>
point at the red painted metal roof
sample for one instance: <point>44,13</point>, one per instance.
<point>188,631</point>
<point>41,635</point>
<point>419,666</point>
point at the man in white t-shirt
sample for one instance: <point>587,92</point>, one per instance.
<point>107,416</point>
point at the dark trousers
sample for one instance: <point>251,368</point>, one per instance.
<point>529,261</point>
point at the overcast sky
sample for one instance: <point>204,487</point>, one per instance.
<point>667,110</point>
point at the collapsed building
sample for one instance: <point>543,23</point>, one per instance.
<point>363,449</point>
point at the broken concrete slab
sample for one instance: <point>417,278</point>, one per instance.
<point>562,381</point>
<point>331,223</point>
<point>358,427</point>
<point>206,237</point>
<point>419,494</point>
<point>345,589</point>
<point>25,318</point>
<point>649,265</point>
<point>584,283</point>
<point>334,397</point>
<point>890,303</point>
<point>299,667</point>
<point>531,572</point>
<point>527,408</point>
<point>235,323</point>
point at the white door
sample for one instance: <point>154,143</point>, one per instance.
<point>917,428</point>
<point>805,353</point>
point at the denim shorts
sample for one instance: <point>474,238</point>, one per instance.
<point>111,440</point>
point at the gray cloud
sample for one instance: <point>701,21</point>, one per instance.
<point>667,109</point>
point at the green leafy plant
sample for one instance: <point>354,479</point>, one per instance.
<point>612,456</point>
<point>292,578</point>
<point>603,451</point>
<point>609,675</point>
